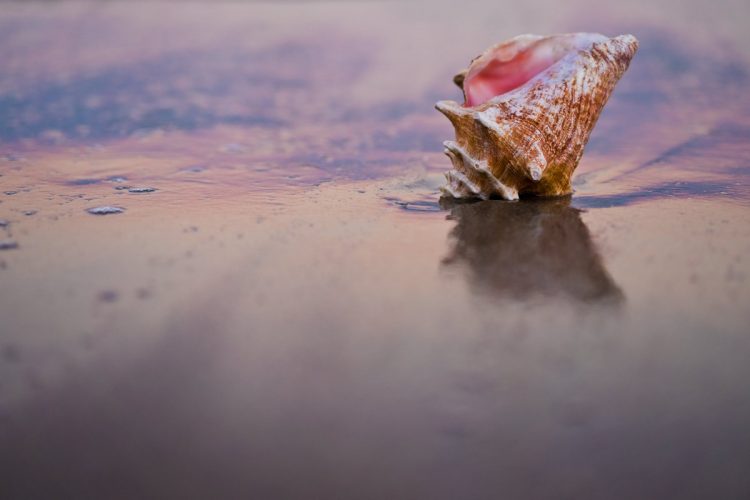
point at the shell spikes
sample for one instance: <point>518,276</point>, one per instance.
<point>530,105</point>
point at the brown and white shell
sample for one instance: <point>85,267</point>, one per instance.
<point>530,105</point>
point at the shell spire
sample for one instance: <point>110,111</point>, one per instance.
<point>530,104</point>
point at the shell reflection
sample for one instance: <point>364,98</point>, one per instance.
<point>537,247</point>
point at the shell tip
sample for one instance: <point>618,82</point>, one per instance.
<point>625,45</point>
<point>629,39</point>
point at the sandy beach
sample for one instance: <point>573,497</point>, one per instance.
<point>282,307</point>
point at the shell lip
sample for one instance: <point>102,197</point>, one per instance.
<point>513,64</point>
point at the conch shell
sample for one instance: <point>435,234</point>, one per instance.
<point>530,105</point>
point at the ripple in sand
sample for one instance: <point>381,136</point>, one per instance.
<point>8,244</point>
<point>105,210</point>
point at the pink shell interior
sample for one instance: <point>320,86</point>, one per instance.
<point>511,64</point>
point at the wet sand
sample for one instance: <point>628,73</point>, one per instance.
<point>292,313</point>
